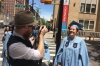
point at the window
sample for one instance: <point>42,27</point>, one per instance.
<point>88,24</point>
<point>88,6</point>
<point>82,9</point>
<point>91,26</point>
<point>93,8</point>
<point>81,22</point>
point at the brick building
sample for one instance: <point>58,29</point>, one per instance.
<point>86,12</point>
<point>9,6</point>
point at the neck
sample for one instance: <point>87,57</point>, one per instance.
<point>20,32</point>
<point>72,37</point>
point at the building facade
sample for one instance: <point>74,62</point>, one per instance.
<point>9,6</point>
<point>86,12</point>
<point>1,11</point>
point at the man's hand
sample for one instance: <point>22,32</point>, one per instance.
<point>43,30</point>
<point>32,40</point>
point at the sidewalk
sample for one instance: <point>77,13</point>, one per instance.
<point>50,35</point>
<point>95,41</point>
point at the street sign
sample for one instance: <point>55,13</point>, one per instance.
<point>20,6</point>
<point>34,16</point>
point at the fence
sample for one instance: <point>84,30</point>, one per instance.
<point>87,34</point>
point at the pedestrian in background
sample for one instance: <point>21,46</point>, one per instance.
<point>73,50</point>
<point>7,34</point>
<point>7,28</point>
<point>4,51</point>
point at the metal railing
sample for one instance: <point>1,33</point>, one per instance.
<point>87,34</point>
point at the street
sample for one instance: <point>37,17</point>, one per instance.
<point>94,50</point>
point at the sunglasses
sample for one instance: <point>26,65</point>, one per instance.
<point>33,27</point>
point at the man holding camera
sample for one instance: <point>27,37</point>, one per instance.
<point>19,48</point>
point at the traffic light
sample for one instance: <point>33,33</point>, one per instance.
<point>0,0</point>
<point>51,20</point>
<point>42,1</point>
<point>46,1</point>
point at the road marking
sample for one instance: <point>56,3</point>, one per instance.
<point>51,43</point>
<point>0,52</point>
<point>52,47</point>
<point>1,44</point>
<point>1,47</point>
<point>52,50</point>
<point>46,60</point>
<point>52,54</point>
<point>1,59</point>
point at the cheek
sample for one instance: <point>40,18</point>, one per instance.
<point>75,32</point>
<point>30,31</point>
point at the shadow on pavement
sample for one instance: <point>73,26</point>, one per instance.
<point>46,64</point>
<point>94,51</point>
<point>93,42</point>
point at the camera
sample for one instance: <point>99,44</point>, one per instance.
<point>38,27</point>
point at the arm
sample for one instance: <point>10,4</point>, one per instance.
<point>84,55</point>
<point>41,41</point>
<point>41,46</point>
<point>20,51</point>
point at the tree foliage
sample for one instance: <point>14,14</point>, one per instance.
<point>43,22</point>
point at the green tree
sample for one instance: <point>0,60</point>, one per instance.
<point>47,23</point>
<point>39,22</point>
<point>43,21</point>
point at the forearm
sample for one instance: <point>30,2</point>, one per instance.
<point>41,46</point>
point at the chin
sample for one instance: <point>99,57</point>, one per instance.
<point>72,35</point>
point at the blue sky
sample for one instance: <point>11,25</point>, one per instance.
<point>45,10</point>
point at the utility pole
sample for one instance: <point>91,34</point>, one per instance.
<point>58,35</point>
<point>33,4</point>
<point>37,13</point>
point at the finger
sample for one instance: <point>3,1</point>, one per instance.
<point>40,27</point>
<point>44,27</point>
